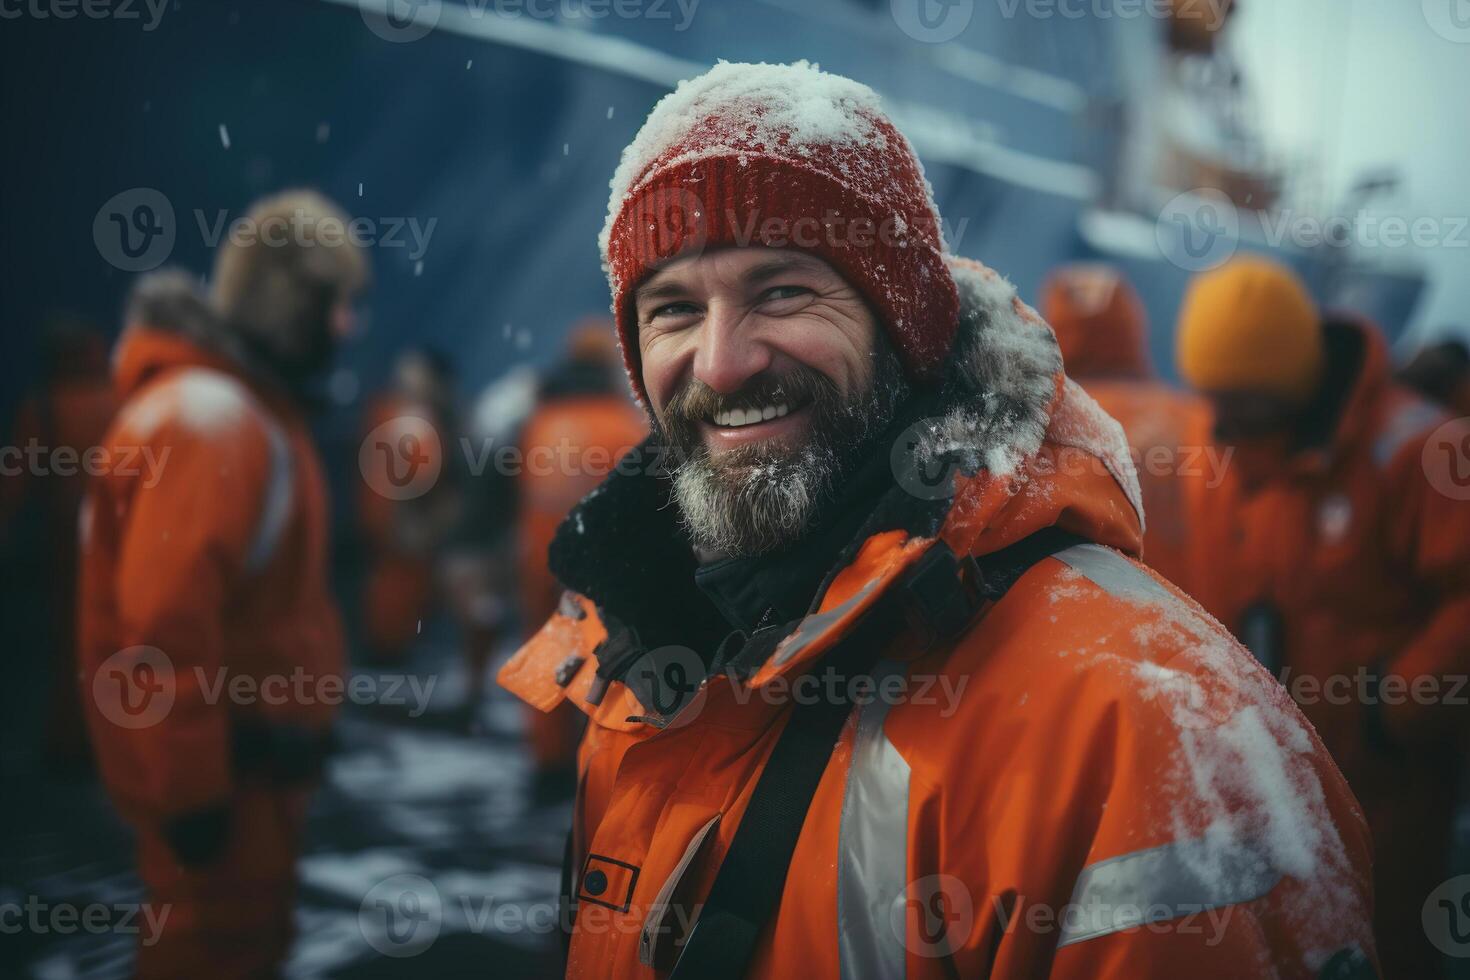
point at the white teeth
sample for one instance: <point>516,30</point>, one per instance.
<point>736,417</point>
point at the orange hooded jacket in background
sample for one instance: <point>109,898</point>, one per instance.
<point>1102,329</point>
<point>398,591</point>
<point>206,616</point>
<point>1091,749</point>
<point>569,445</point>
<point>1360,547</point>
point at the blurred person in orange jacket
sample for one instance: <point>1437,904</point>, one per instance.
<point>404,521</point>
<point>210,646</point>
<point>582,425</point>
<point>874,684</point>
<point>1339,552</point>
<point>65,419</point>
<point>1441,373</point>
<point>1102,330</point>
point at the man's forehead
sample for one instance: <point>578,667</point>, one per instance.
<point>743,264</point>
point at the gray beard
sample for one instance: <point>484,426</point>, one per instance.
<point>748,504</point>
<point>755,509</point>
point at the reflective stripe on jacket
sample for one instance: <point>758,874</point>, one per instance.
<point>204,596</point>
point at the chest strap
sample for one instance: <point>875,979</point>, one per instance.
<point>941,596</point>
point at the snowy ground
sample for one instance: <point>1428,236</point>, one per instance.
<point>424,854</point>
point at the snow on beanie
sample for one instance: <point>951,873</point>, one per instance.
<point>783,156</point>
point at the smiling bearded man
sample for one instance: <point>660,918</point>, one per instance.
<point>759,460</point>
<point>874,688</point>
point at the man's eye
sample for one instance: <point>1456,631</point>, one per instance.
<point>673,309</point>
<point>784,292</point>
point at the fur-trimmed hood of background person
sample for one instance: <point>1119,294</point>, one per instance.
<point>280,281</point>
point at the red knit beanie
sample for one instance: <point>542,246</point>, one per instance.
<point>783,156</point>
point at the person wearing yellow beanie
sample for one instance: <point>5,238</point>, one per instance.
<point>1338,547</point>
<point>1251,325</point>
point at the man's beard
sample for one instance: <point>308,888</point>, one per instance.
<point>760,497</point>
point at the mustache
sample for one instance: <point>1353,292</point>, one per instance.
<point>796,388</point>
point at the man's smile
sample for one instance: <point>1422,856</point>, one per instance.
<point>729,428</point>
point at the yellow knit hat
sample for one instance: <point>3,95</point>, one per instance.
<point>1250,325</point>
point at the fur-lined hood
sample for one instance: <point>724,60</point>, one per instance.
<point>1013,422</point>
<point>169,318</point>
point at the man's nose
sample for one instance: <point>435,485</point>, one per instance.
<point>729,355</point>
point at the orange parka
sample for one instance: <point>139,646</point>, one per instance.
<point>204,600</point>
<point>398,589</point>
<point>1356,555</point>
<point>568,446</point>
<point>1101,327</point>
<point>1092,781</point>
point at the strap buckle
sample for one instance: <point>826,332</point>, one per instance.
<point>940,595</point>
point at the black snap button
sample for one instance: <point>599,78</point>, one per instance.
<point>595,883</point>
